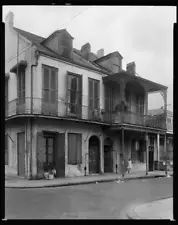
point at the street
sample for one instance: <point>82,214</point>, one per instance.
<point>101,201</point>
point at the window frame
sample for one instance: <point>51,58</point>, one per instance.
<point>21,86</point>
<point>93,98</point>
<point>77,104</point>
<point>76,160</point>
<point>50,89</point>
<point>140,107</point>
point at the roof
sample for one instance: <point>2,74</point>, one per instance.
<point>152,86</point>
<point>109,55</point>
<point>77,57</point>
<point>159,112</point>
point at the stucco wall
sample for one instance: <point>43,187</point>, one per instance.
<point>12,130</point>
<point>11,59</point>
<point>62,84</point>
<point>70,127</point>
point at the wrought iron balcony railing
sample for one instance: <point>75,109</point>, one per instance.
<point>57,109</point>
<point>71,110</point>
<point>138,119</point>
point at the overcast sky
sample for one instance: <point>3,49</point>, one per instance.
<point>143,34</point>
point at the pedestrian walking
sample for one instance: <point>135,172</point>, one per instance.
<point>129,166</point>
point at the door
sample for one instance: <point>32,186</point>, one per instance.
<point>59,155</point>
<point>40,154</point>
<point>21,154</point>
<point>108,159</point>
<point>108,155</point>
<point>94,155</point>
<point>151,158</point>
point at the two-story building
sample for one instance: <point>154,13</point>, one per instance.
<point>169,133</point>
<point>75,109</point>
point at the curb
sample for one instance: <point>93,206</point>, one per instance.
<point>83,182</point>
<point>132,215</point>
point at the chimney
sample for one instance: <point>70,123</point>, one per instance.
<point>131,68</point>
<point>86,50</point>
<point>9,19</point>
<point>100,53</point>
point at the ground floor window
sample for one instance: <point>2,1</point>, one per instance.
<point>6,150</point>
<point>49,147</point>
<point>74,148</point>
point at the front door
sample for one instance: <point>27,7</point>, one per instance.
<point>21,154</point>
<point>59,155</point>
<point>151,159</point>
<point>94,155</point>
<point>108,159</point>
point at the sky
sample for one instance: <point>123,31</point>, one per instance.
<point>143,34</point>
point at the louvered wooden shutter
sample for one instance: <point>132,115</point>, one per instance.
<point>90,94</point>
<point>96,95</point>
<point>40,154</point>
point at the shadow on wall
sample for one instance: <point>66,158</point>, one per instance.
<point>74,171</point>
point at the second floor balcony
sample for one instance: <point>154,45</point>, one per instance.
<point>63,109</point>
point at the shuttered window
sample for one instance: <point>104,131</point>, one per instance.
<point>74,148</point>
<point>140,104</point>
<point>74,93</point>
<point>21,87</point>
<point>109,99</point>
<point>93,94</point>
<point>128,98</point>
<point>49,84</point>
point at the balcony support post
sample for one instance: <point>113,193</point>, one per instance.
<point>147,160</point>
<point>158,146</point>
<point>164,95</point>
<point>123,141</point>
<point>165,153</point>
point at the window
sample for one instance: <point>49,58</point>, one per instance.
<point>169,120</point>
<point>109,99</point>
<point>6,150</point>
<point>74,93</point>
<point>74,148</point>
<point>116,68</point>
<point>21,87</point>
<point>140,104</point>
<point>128,97</point>
<point>93,94</point>
<point>49,84</point>
<point>49,146</point>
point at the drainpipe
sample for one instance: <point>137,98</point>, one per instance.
<point>31,107</point>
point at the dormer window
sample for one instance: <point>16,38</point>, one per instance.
<point>116,68</point>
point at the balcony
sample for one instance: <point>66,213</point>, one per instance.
<point>138,119</point>
<point>66,110</point>
<point>60,109</point>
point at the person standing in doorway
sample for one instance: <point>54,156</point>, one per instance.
<point>129,167</point>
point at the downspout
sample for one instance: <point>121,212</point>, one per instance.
<point>31,107</point>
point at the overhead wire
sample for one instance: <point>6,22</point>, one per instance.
<point>25,49</point>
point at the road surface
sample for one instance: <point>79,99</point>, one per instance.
<point>103,200</point>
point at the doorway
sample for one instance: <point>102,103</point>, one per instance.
<point>94,155</point>
<point>151,155</point>
<point>51,150</point>
<point>108,155</point>
<point>21,154</point>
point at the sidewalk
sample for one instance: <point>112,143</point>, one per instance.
<point>162,209</point>
<point>12,181</point>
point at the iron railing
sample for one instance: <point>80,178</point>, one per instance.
<point>57,109</point>
<point>76,111</point>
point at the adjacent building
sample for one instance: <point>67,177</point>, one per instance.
<point>75,109</point>
<point>169,133</point>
